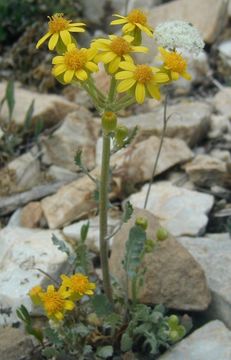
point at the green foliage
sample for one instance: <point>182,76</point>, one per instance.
<point>24,316</point>
<point>101,305</point>
<point>128,211</point>
<point>149,329</point>
<point>105,351</point>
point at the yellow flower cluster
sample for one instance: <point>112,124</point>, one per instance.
<point>74,64</point>
<point>56,302</point>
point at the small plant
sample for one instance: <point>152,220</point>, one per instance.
<point>98,322</point>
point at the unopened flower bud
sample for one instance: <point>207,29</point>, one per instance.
<point>121,134</point>
<point>161,234</point>
<point>142,222</point>
<point>109,121</point>
<point>173,320</point>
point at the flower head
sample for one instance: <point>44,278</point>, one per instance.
<point>77,285</point>
<point>174,64</point>
<point>74,64</point>
<point>116,49</point>
<point>55,303</point>
<point>179,35</point>
<point>59,29</point>
<point>143,78</point>
<point>135,20</point>
<point>35,293</point>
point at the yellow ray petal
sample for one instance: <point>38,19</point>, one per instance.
<point>58,60</point>
<point>66,37</point>
<point>71,46</point>
<point>69,305</point>
<point>81,75</point>
<point>174,75</point>
<point>114,65</point>
<point>68,76</point>
<point>128,58</point>
<point>124,75</point>
<point>76,24</point>
<point>142,49</point>
<point>144,29</point>
<point>76,29</point>
<point>127,66</point>
<point>128,27</point>
<point>153,91</point>
<point>118,22</point>
<point>161,78</point>
<point>59,69</point>
<point>53,41</point>
<point>107,57</point>
<point>59,316</point>
<point>140,93</point>
<point>128,38</point>
<point>186,76</point>
<point>41,41</point>
<point>119,16</point>
<point>91,66</point>
<point>125,85</point>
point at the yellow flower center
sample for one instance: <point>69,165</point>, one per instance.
<point>137,16</point>
<point>53,302</point>
<point>175,62</point>
<point>75,59</point>
<point>143,73</point>
<point>79,283</point>
<point>120,46</point>
<point>57,23</point>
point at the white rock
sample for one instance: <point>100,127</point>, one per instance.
<point>210,342</point>
<point>77,131</point>
<point>60,174</point>
<point>220,125</point>
<point>94,10</point>
<point>179,210</point>
<point>225,52</point>
<point>222,102</point>
<point>223,155</point>
<point>188,121</point>
<point>73,231</point>
<point>213,253</point>
<point>49,108</point>
<point>22,253</point>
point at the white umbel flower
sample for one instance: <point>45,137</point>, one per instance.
<point>179,35</point>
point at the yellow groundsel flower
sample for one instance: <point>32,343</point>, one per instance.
<point>55,303</point>
<point>74,64</point>
<point>60,28</point>
<point>174,64</point>
<point>116,49</point>
<point>77,285</point>
<point>144,78</point>
<point>35,293</point>
<point>136,19</point>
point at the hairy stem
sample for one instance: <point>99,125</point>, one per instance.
<point>158,153</point>
<point>103,209</point>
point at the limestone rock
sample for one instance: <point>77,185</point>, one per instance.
<point>210,342</point>
<point>93,11</point>
<point>213,253</point>
<point>222,102</point>
<point>14,344</point>
<point>224,53</point>
<point>61,174</point>
<point>189,122</point>
<point>173,277</point>
<point>77,131</point>
<point>220,126</point>
<point>22,253</point>
<point>179,210</point>
<point>74,200</point>
<point>205,170</point>
<point>49,108</point>
<point>31,215</point>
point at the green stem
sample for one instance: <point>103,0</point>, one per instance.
<point>112,91</point>
<point>134,290</point>
<point>103,210</point>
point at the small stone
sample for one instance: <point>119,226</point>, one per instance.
<point>223,155</point>
<point>224,63</point>
<point>61,174</point>
<point>173,277</point>
<point>220,126</point>
<point>179,210</point>
<point>222,102</point>
<point>205,170</point>
<point>22,252</point>
<point>14,344</point>
<point>31,215</point>
<point>50,109</point>
<point>210,342</point>
<point>213,253</point>
<point>189,121</point>
<point>78,131</point>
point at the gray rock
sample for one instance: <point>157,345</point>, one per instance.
<point>224,54</point>
<point>93,11</point>
<point>173,277</point>
<point>213,253</point>
<point>61,174</point>
<point>77,131</point>
<point>179,210</point>
<point>210,342</point>
<point>220,124</point>
<point>14,344</point>
<point>188,121</point>
<point>22,253</point>
<point>222,102</point>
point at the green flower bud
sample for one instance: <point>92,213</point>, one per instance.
<point>121,134</point>
<point>173,321</point>
<point>161,234</point>
<point>142,222</point>
<point>174,336</point>
<point>109,121</point>
<point>149,245</point>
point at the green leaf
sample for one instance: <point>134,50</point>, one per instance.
<point>50,352</point>
<point>101,305</point>
<point>60,244</point>
<point>37,333</point>
<point>134,249</point>
<point>28,117</point>
<point>38,128</point>
<point>52,336</point>
<point>78,158</point>
<point>127,213</point>
<point>126,342</point>
<point>10,97</point>
<point>105,351</point>
<point>81,329</point>
<point>84,231</point>
<point>23,314</point>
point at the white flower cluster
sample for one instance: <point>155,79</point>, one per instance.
<point>179,35</point>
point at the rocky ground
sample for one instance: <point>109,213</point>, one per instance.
<point>43,193</point>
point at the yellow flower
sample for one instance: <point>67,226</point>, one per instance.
<point>78,285</point>
<point>55,303</point>
<point>136,19</point>
<point>115,49</point>
<point>74,64</point>
<point>35,293</point>
<point>60,28</point>
<point>144,78</point>
<point>174,64</point>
